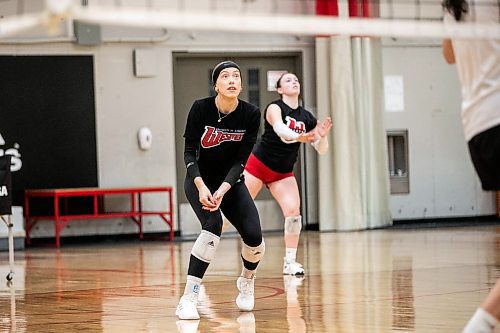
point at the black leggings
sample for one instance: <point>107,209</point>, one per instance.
<point>239,208</point>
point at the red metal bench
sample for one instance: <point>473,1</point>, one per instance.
<point>61,217</point>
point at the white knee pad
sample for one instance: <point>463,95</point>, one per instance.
<point>293,225</point>
<point>253,254</point>
<point>205,246</point>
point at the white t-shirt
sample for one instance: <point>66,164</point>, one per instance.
<point>478,65</point>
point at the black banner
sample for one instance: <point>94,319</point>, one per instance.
<point>47,122</point>
<point>5,186</point>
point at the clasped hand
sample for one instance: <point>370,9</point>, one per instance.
<point>307,136</point>
<point>317,133</point>
<point>209,201</point>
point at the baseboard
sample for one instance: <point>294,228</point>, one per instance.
<point>103,239</point>
<point>18,244</point>
<point>460,221</point>
<point>463,221</point>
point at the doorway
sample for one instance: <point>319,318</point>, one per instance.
<point>192,80</point>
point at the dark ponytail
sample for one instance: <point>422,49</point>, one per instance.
<point>456,7</point>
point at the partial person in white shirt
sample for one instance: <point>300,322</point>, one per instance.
<point>478,65</point>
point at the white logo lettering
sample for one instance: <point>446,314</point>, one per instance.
<point>3,191</point>
<point>16,162</point>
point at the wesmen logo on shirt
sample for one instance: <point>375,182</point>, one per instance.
<point>294,125</point>
<point>215,136</point>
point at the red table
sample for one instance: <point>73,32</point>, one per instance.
<point>62,218</point>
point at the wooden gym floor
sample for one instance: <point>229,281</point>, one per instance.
<point>424,280</point>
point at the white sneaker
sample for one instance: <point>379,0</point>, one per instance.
<point>187,308</point>
<point>245,300</point>
<point>291,267</point>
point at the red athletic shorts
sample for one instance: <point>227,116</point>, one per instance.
<point>261,171</point>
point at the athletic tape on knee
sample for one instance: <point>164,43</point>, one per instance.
<point>293,225</point>
<point>205,246</point>
<point>253,254</point>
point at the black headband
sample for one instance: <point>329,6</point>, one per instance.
<point>221,66</point>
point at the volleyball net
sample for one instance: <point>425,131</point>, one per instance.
<point>385,18</point>
<point>391,18</point>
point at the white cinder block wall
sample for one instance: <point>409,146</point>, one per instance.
<point>442,181</point>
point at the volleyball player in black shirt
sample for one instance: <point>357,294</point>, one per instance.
<point>271,163</point>
<point>219,136</point>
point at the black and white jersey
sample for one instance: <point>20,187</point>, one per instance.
<point>217,148</point>
<point>271,150</point>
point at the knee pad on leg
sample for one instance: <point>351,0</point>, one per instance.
<point>205,246</point>
<point>253,254</point>
<point>293,225</point>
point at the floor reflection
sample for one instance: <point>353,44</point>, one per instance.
<point>221,321</point>
<point>403,309</point>
<point>12,320</point>
<point>294,316</point>
<point>246,321</point>
<point>187,326</point>
<point>373,281</point>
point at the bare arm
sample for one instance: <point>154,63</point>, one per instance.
<point>448,53</point>
<point>322,129</point>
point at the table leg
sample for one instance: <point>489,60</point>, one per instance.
<point>56,218</point>
<point>171,214</point>
<point>140,214</point>
<point>27,226</point>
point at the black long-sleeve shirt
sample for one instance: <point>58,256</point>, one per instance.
<point>218,150</point>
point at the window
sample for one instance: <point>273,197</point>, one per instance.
<point>253,87</point>
<point>397,148</point>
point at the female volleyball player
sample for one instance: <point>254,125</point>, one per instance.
<point>271,163</point>
<point>478,65</point>
<point>219,136</point>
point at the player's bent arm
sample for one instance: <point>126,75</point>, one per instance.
<point>204,195</point>
<point>321,145</point>
<point>273,117</point>
<point>448,53</point>
<point>322,129</point>
<point>199,183</point>
<point>238,166</point>
<point>190,152</point>
<point>223,188</point>
<point>246,146</point>
<point>285,133</point>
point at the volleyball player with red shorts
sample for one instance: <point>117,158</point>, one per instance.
<point>287,125</point>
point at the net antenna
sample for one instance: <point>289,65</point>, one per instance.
<point>247,20</point>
